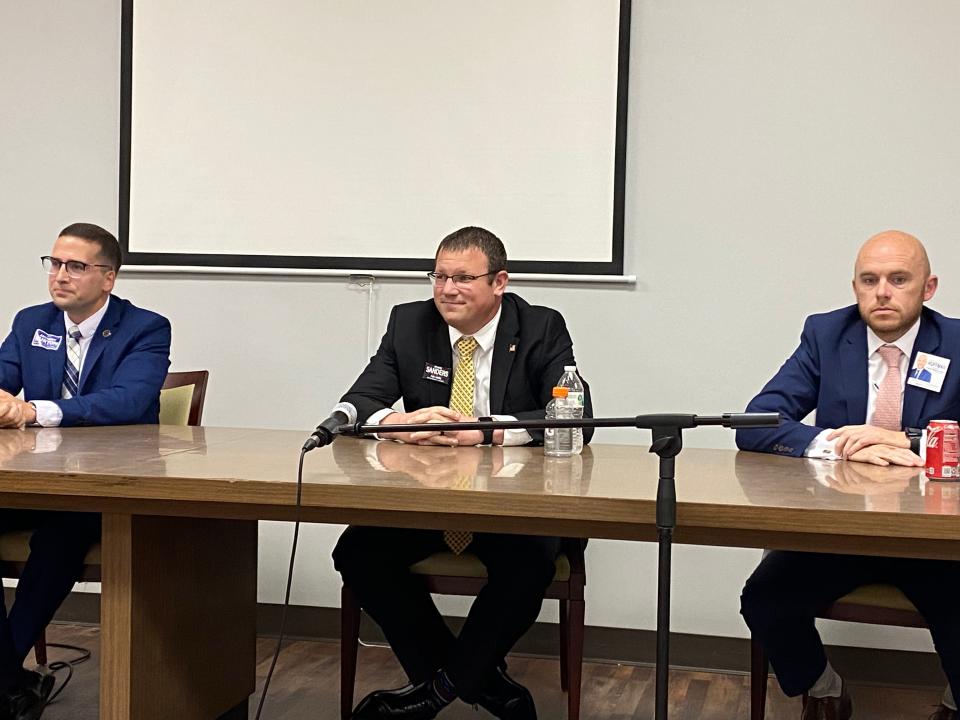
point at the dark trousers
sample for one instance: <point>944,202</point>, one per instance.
<point>787,590</point>
<point>58,546</point>
<point>374,563</point>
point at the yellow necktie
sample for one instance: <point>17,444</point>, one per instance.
<point>461,400</point>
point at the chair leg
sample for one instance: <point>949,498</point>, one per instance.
<point>758,680</point>
<point>574,657</point>
<point>564,640</point>
<point>40,648</point>
<point>349,637</point>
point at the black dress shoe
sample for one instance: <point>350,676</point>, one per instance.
<point>40,682</point>
<point>411,702</point>
<point>26,700</point>
<point>506,699</point>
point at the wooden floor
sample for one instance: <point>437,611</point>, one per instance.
<point>305,687</point>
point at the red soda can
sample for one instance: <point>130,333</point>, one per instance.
<point>943,450</point>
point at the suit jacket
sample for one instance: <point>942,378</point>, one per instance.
<point>125,365</point>
<point>829,373</point>
<point>531,347</point>
<point>921,374</point>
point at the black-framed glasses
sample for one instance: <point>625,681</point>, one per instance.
<point>75,268</point>
<point>440,279</point>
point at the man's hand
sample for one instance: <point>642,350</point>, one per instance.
<point>851,439</point>
<point>11,413</point>
<point>435,414</point>
<point>15,413</point>
<point>887,455</point>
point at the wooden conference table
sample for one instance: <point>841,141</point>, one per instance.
<point>180,507</point>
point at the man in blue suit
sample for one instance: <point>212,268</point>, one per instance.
<point>920,372</point>
<point>851,368</point>
<point>86,358</point>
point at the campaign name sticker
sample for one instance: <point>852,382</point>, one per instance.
<point>928,371</point>
<point>436,373</point>
<point>46,340</point>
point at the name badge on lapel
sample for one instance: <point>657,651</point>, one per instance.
<point>436,373</point>
<point>46,340</point>
<point>928,371</point>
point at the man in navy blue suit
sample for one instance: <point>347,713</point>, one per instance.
<point>852,369</point>
<point>86,358</point>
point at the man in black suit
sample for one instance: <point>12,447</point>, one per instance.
<point>504,356</point>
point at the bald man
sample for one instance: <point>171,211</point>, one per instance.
<point>853,367</point>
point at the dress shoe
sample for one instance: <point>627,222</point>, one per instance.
<point>945,713</point>
<point>27,699</point>
<point>411,702</point>
<point>40,682</point>
<point>506,699</point>
<point>828,708</point>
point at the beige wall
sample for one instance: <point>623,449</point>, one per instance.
<point>767,140</point>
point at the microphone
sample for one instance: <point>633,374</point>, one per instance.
<point>342,414</point>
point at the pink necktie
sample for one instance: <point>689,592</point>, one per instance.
<point>886,413</point>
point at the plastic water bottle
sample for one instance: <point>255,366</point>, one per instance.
<point>571,381</point>
<point>558,442</point>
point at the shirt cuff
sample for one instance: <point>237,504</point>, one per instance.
<point>49,413</point>
<point>820,448</point>
<point>513,437</point>
<point>377,417</point>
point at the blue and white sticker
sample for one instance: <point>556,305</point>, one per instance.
<point>46,340</point>
<point>928,371</point>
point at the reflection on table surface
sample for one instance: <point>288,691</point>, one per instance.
<point>612,482</point>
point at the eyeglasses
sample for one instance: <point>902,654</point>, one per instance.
<point>75,268</point>
<point>439,279</point>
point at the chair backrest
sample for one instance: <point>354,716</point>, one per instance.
<point>182,396</point>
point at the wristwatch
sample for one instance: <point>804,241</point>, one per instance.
<point>487,432</point>
<point>914,435</point>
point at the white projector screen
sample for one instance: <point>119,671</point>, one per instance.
<point>347,134</point>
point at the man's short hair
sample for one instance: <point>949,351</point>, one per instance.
<point>483,240</point>
<point>109,247</point>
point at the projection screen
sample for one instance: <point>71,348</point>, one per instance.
<point>356,134</point>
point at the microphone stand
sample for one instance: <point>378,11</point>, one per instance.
<point>666,429</point>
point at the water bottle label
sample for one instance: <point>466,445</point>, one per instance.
<point>575,399</point>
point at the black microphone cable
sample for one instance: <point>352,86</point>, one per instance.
<point>286,597</point>
<point>67,665</point>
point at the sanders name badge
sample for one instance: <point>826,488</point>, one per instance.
<point>436,373</point>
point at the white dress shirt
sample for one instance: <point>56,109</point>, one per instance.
<point>822,448</point>
<point>482,365</point>
<point>49,413</point>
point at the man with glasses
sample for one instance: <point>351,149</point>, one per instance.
<point>86,358</point>
<point>474,351</point>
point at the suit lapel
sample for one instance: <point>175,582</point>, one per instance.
<point>915,398</point>
<point>440,353</point>
<point>102,336</point>
<point>58,358</point>
<point>504,353</point>
<point>854,373</point>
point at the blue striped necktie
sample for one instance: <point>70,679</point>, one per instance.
<point>71,370</point>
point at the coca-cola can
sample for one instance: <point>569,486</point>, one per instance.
<point>943,450</point>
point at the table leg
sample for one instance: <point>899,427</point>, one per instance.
<point>178,618</point>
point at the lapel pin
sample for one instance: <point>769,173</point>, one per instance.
<point>106,333</point>
<point>512,348</point>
